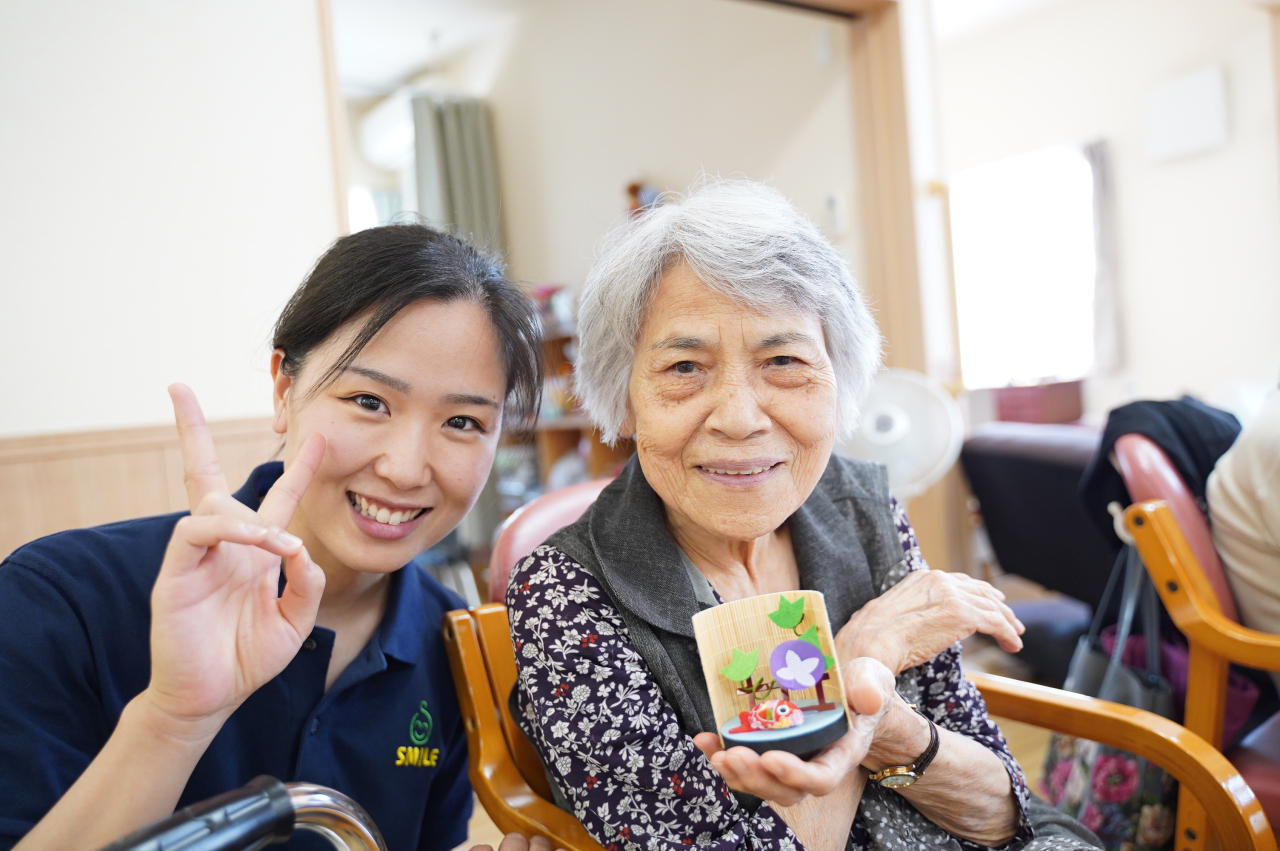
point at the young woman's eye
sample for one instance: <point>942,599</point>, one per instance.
<point>781,360</point>
<point>464,424</point>
<point>371,404</point>
<point>686,367</point>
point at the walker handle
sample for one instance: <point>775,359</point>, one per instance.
<point>245,819</point>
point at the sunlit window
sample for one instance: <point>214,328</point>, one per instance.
<point>1025,267</point>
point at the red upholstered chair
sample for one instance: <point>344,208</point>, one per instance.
<point>1175,543</point>
<point>1149,474</point>
<point>532,524</point>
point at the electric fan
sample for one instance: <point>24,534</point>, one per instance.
<point>910,424</point>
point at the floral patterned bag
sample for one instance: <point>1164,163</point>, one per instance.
<point>1127,801</point>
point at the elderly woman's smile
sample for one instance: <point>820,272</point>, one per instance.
<point>734,411</point>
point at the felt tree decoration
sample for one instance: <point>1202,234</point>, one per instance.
<point>743,665</point>
<point>789,613</point>
<point>742,670</point>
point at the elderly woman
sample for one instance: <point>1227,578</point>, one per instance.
<point>726,336</point>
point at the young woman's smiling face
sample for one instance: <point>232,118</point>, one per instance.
<point>412,426</point>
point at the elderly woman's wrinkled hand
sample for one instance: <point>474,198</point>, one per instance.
<point>785,778</point>
<point>923,615</point>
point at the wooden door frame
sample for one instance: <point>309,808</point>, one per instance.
<point>885,184</point>
<point>887,195</point>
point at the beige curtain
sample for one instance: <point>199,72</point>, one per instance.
<point>456,178</point>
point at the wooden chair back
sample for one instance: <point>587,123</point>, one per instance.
<point>509,799</point>
<point>1214,641</point>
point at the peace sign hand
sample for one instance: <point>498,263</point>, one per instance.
<point>218,629</point>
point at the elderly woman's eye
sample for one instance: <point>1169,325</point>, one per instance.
<point>685,367</point>
<point>781,360</point>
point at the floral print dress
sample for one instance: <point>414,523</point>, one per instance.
<point>615,749</point>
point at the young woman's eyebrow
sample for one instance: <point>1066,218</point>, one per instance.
<point>467,399</point>
<point>397,384</point>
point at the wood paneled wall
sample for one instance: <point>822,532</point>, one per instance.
<point>53,482</point>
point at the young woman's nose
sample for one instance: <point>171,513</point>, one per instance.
<point>405,458</point>
<point>736,411</point>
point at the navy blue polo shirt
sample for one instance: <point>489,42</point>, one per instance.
<point>74,632</point>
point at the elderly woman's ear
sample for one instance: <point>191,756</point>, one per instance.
<point>627,429</point>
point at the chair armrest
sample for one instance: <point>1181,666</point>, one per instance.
<point>503,793</point>
<point>1186,593</point>
<point>1233,809</point>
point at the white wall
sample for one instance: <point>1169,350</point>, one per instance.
<point>1199,238</point>
<point>592,95</point>
<point>165,183</point>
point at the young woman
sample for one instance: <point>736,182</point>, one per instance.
<point>153,663</point>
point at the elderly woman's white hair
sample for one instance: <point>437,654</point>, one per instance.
<point>745,241</point>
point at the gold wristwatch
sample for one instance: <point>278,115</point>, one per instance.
<point>898,776</point>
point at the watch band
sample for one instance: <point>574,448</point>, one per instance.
<point>897,776</point>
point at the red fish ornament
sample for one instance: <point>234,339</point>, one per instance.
<point>770,715</point>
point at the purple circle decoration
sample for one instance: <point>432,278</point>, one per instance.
<point>796,665</point>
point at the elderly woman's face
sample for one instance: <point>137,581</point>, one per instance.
<point>734,411</point>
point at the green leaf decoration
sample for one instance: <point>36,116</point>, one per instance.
<point>811,636</point>
<point>742,666</point>
<point>789,613</point>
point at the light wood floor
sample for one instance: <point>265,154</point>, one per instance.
<point>481,830</point>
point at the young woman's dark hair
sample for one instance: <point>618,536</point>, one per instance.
<point>378,272</point>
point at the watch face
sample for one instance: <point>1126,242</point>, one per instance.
<point>895,781</point>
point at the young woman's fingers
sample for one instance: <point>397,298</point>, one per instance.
<point>193,536</point>
<point>221,502</point>
<point>282,500</point>
<point>201,472</point>
<point>539,843</point>
<point>303,588</point>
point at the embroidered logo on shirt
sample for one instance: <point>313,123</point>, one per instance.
<point>419,732</point>
<point>420,725</point>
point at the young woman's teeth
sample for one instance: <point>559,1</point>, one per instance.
<point>381,514</point>
<point>736,472</point>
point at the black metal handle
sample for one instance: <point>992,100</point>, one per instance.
<point>246,819</point>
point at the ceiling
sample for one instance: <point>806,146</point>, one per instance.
<point>956,19</point>
<point>381,44</point>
